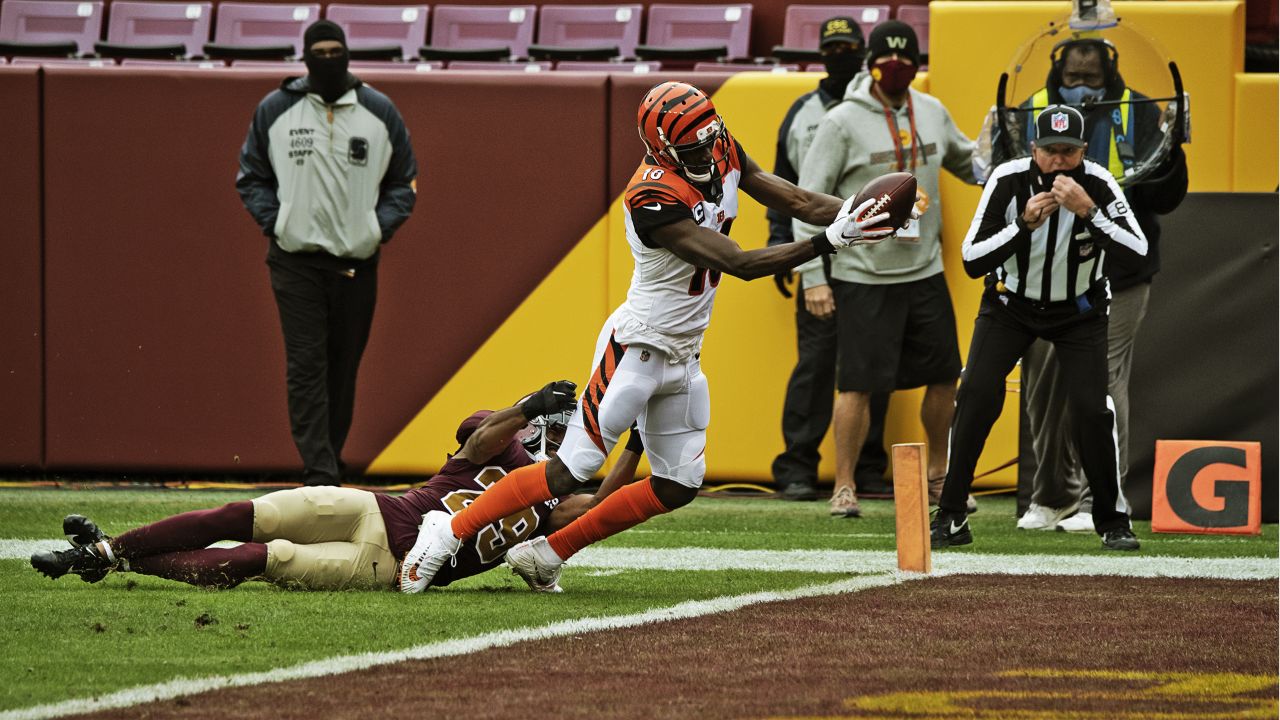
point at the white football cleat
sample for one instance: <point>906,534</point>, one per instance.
<point>1039,517</point>
<point>1081,522</point>
<point>537,563</point>
<point>435,544</point>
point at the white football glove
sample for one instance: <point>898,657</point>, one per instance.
<point>847,230</point>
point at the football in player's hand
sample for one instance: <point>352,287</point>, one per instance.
<point>894,193</point>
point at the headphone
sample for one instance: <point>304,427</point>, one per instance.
<point>1110,56</point>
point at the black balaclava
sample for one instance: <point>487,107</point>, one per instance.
<point>841,67</point>
<point>328,75</point>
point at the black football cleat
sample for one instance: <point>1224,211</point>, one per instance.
<point>948,530</point>
<point>83,561</point>
<point>81,531</point>
<point>1120,539</point>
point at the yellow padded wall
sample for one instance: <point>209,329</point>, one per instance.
<point>1256,148</point>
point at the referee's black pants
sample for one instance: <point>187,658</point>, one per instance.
<point>1005,327</point>
<point>807,408</point>
<point>326,309</point>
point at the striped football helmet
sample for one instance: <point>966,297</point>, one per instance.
<point>682,131</point>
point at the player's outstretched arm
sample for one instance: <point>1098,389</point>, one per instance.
<point>786,197</point>
<point>709,249</point>
<point>496,431</point>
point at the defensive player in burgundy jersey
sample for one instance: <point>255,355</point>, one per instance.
<point>678,207</point>
<point>325,538</point>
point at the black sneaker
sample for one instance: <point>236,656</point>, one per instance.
<point>799,491</point>
<point>83,561</point>
<point>947,530</point>
<point>81,531</point>
<point>1120,539</point>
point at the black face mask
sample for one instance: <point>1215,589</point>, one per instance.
<point>328,75</point>
<point>841,68</point>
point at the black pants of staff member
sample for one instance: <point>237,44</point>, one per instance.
<point>326,309</point>
<point>806,410</point>
<point>1005,327</point>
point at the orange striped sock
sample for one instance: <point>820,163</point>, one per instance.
<point>521,488</point>
<point>627,507</point>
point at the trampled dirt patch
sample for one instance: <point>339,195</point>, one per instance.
<point>965,646</point>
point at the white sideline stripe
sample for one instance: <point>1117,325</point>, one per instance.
<point>944,563</point>
<point>350,663</point>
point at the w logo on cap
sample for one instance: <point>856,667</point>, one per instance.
<point>1059,121</point>
<point>897,43</point>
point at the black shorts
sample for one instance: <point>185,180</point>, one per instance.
<point>894,337</point>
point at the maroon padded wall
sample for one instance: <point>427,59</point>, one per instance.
<point>21,331</point>
<point>164,348</point>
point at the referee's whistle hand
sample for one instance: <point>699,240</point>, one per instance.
<point>1038,209</point>
<point>1071,195</point>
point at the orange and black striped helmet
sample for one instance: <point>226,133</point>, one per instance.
<point>682,130</point>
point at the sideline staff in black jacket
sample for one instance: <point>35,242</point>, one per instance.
<point>327,171</point>
<point>1041,235</point>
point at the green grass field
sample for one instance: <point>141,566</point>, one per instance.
<point>67,639</point>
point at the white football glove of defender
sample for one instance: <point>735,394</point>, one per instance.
<point>846,230</point>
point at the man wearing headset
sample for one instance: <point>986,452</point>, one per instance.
<point>1121,126</point>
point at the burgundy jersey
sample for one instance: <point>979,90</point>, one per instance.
<point>453,488</point>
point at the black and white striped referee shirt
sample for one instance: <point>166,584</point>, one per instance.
<point>1064,257</point>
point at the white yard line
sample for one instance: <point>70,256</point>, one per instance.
<point>881,566</point>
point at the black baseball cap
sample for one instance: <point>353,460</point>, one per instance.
<point>840,29</point>
<point>1060,125</point>
<point>893,36</point>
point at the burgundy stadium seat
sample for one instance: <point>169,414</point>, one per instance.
<point>640,67</point>
<point>612,29</point>
<point>291,68</point>
<point>540,66</point>
<point>494,31</point>
<point>420,66</point>
<point>151,29</point>
<point>173,64</point>
<point>263,31</point>
<point>64,62</point>
<point>697,30</point>
<point>372,30</point>
<point>917,16</point>
<point>53,28</point>
<point>743,67</point>
<point>803,21</point>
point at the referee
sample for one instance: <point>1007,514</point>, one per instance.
<point>1041,235</point>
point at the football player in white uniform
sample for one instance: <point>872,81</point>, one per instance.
<point>679,206</point>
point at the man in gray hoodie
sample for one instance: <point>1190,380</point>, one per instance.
<point>895,324</point>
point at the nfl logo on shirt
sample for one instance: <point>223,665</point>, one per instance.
<point>1058,121</point>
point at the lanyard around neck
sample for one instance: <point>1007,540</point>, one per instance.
<point>893,130</point>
